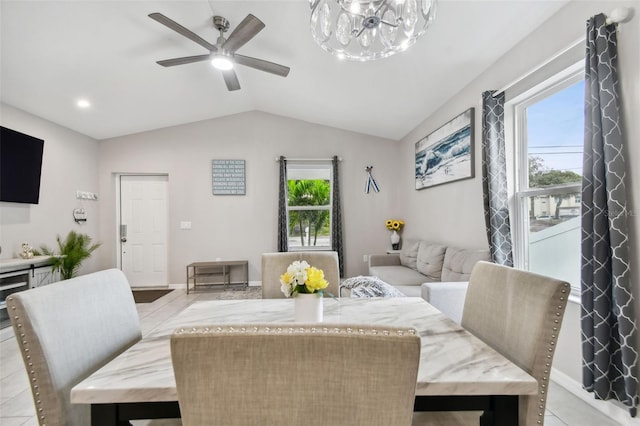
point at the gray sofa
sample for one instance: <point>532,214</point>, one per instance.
<point>421,262</point>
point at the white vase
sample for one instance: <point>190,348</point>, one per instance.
<point>308,307</point>
<point>395,240</point>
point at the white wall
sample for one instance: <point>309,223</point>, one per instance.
<point>453,213</point>
<point>245,226</point>
<point>69,163</point>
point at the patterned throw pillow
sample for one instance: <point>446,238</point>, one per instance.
<point>364,286</point>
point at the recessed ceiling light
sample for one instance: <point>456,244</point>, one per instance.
<point>83,103</point>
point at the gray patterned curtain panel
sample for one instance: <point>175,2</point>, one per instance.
<point>609,358</point>
<point>283,239</point>
<point>494,179</point>
<point>336,216</point>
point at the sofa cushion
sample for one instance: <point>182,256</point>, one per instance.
<point>398,275</point>
<point>458,263</point>
<point>429,261</point>
<point>409,253</point>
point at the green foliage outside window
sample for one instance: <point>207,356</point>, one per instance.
<point>541,177</point>
<point>302,193</point>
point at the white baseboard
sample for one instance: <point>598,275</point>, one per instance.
<point>612,409</point>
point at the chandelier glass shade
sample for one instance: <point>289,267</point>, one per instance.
<point>364,30</point>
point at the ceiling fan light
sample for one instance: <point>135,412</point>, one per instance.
<point>222,63</point>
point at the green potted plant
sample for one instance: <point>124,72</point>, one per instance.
<point>73,250</point>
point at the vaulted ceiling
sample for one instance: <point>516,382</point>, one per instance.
<point>55,52</point>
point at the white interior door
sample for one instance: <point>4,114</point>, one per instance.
<point>143,229</point>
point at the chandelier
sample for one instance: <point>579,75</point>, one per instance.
<point>363,30</point>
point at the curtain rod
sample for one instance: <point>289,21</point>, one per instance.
<point>308,159</point>
<point>617,16</point>
<point>542,65</point>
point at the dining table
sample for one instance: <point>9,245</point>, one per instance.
<point>457,371</point>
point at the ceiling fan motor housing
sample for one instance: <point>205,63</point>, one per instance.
<point>221,23</point>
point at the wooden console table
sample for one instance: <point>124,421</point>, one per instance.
<point>215,274</point>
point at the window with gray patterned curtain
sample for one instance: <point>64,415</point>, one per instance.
<point>549,126</point>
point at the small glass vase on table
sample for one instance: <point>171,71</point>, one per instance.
<point>305,284</point>
<point>394,226</point>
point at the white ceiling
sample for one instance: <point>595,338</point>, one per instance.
<point>54,52</point>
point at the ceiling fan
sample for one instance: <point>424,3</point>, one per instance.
<point>223,54</point>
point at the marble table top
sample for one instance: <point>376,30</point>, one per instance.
<point>452,361</point>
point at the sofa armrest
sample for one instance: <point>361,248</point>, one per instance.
<point>384,260</point>
<point>448,297</point>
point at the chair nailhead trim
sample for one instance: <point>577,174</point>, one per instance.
<point>27,357</point>
<point>552,342</point>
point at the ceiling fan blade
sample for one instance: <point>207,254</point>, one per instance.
<point>159,17</point>
<point>182,61</point>
<point>261,65</point>
<point>245,31</point>
<point>231,79</point>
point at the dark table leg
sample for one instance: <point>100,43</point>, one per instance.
<point>120,414</point>
<point>104,415</point>
<point>505,410</point>
<point>498,410</point>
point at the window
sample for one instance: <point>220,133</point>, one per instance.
<point>549,128</point>
<point>309,197</point>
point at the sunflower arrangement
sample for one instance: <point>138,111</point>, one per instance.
<point>300,277</point>
<point>394,225</point>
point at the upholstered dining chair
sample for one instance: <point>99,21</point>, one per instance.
<point>293,375</point>
<point>66,331</point>
<point>519,314</point>
<point>275,264</point>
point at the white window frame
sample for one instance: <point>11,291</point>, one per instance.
<point>321,164</point>
<point>521,190</point>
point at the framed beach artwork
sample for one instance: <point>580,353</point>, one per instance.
<point>446,155</point>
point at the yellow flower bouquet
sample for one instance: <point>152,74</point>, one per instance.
<point>300,277</point>
<point>394,225</point>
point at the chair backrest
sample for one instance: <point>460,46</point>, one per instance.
<point>519,314</point>
<point>279,374</point>
<point>66,331</point>
<point>275,264</point>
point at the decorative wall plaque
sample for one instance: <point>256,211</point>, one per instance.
<point>228,177</point>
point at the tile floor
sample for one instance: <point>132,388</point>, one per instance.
<point>16,405</point>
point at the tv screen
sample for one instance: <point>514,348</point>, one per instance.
<point>20,167</point>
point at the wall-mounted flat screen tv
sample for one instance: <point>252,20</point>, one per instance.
<point>20,167</point>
